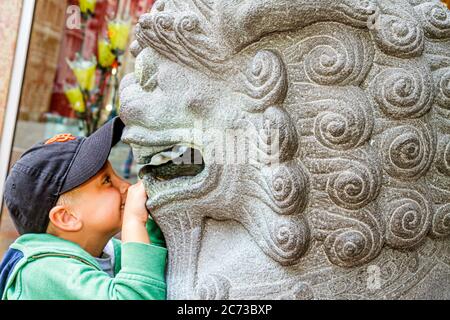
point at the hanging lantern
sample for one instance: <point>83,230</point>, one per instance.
<point>118,32</point>
<point>88,6</point>
<point>84,71</point>
<point>75,97</point>
<point>106,57</point>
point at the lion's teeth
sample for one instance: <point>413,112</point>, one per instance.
<point>167,156</point>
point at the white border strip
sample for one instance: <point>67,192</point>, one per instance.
<point>15,90</point>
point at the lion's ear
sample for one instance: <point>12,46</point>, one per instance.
<point>264,82</point>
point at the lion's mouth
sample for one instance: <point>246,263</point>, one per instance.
<point>173,173</point>
<point>173,163</point>
<point>172,170</point>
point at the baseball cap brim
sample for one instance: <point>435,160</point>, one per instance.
<point>93,154</point>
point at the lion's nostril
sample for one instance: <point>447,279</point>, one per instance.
<point>149,84</point>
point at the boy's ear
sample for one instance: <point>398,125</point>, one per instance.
<point>63,219</point>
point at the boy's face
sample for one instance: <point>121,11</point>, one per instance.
<point>99,202</point>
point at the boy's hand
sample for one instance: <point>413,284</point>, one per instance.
<point>135,205</point>
<point>135,215</point>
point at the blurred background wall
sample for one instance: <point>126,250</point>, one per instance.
<point>9,23</point>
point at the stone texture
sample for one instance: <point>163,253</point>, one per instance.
<point>358,206</point>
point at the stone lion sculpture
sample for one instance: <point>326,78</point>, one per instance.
<point>357,203</point>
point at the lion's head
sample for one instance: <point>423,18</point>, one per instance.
<point>321,134</point>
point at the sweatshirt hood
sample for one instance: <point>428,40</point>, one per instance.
<point>9,262</point>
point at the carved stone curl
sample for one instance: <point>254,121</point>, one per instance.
<point>408,216</point>
<point>328,58</point>
<point>354,185</point>
<point>408,151</point>
<point>435,18</point>
<point>443,156</point>
<point>402,93</point>
<point>399,36</point>
<point>346,123</point>
<point>442,79</point>
<point>352,238</point>
<point>441,222</point>
<point>265,81</point>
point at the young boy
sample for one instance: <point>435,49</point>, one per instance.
<point>67,203</point>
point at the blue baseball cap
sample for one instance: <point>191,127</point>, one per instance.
<point>53,167</point>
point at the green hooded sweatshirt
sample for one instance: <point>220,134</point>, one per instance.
<point>45,267</point>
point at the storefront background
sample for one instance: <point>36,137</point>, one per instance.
<point>9,24</point>
<point>44,110</point>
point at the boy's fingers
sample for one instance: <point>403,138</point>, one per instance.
<point>138,189</point>
<point>139,184</point>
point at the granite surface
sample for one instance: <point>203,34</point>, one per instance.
<point>340,111</point>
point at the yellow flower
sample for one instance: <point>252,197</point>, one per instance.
<point>75,98</point>
<point>105,56</point>
<point>87,5</point>
<point>84,71</point>
<point>118,32</point>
